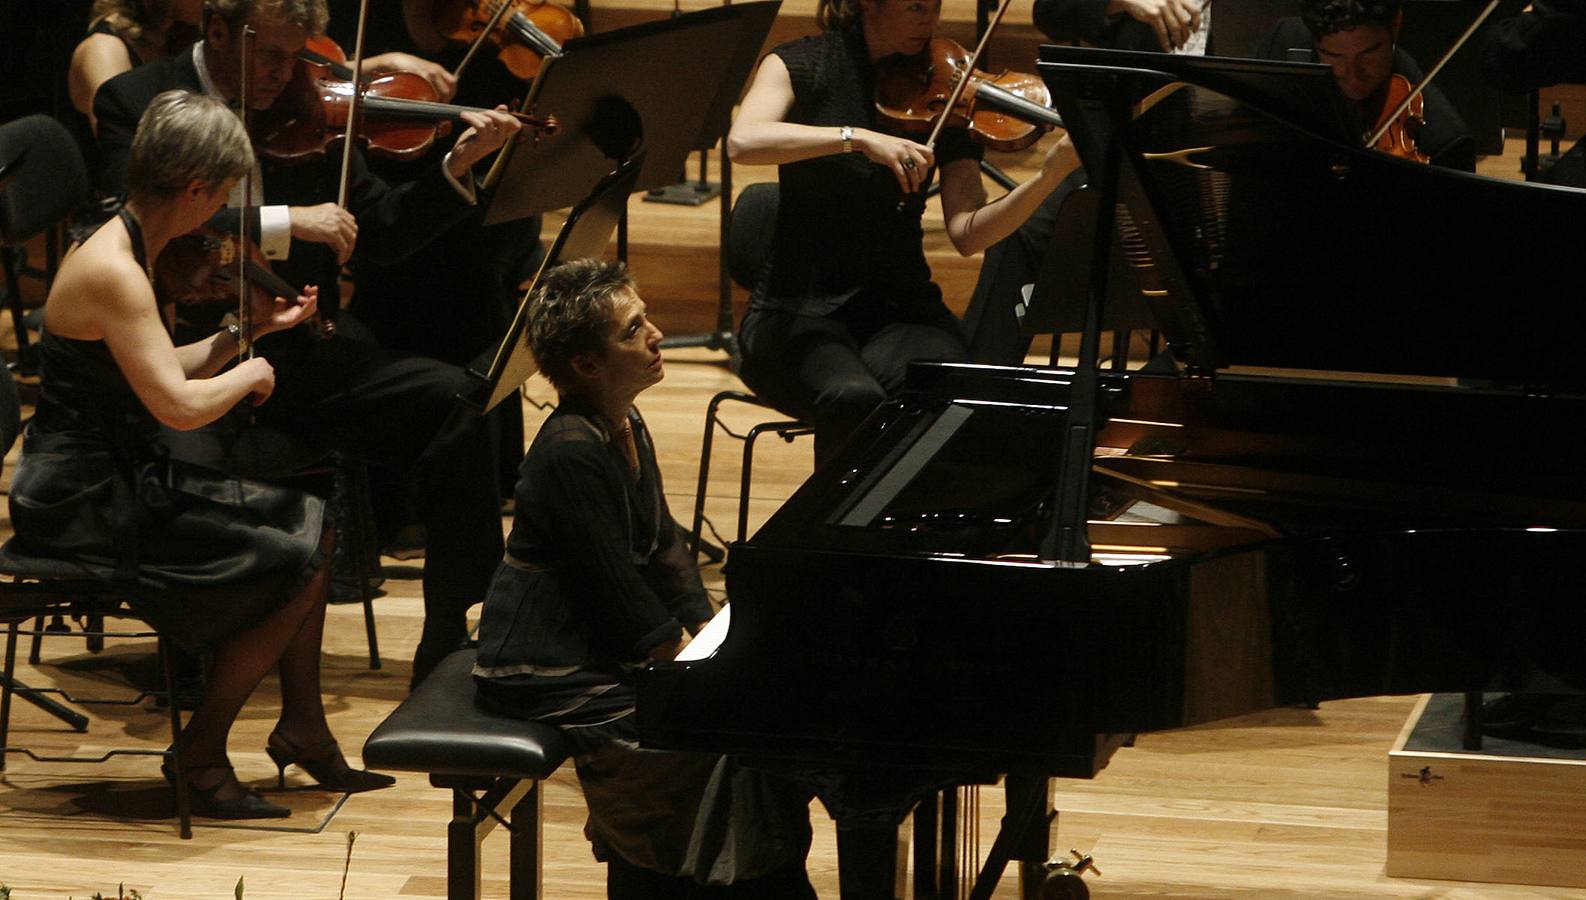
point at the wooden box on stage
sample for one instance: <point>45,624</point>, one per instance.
<point>1512,812</point>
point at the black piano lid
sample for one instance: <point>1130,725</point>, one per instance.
<point>1275,240</point>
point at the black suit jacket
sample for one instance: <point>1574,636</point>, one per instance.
<point>393,222</point>
<point>1538,48</point>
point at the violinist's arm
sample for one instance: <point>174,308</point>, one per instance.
<point>99,58</point>
<point>761,137</point>
<point>172,382</point>
<point>972,223</point>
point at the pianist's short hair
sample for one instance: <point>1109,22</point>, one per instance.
<point>185,137</point>
<point>570,313</point>
<point>309,15</point>
<point>1324,17</point>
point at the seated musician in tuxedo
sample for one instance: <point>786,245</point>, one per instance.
<point>1358,39</point>
<point>337,393</point>
<point>594,584</point>
<point>1542,46</point>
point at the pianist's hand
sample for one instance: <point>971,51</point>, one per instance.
<point>666,652</point>
<point>1172,20</point>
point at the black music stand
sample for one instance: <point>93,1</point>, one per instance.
<point>1057,301</point>
<point>651,85</point>
<point>586,232</point>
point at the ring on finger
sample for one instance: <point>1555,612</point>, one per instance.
<point>908,164</point>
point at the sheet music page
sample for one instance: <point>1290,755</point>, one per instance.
<point>1196,45</point>
<point>704,644</point>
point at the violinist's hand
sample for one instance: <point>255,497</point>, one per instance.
<point>326,224</point>
<point>488,131</point>
<point>907,160</point>
<point>260,375</point>
<point>272,314</point>
<point>441,80</point>
<point>1172,20</point>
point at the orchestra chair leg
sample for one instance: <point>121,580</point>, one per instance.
<point>32,593</point>
<point>787,430</point>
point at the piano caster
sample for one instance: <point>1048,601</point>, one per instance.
<point>1065,878</point>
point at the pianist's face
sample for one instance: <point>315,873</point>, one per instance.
<point>632,360</point>
<point>1361,58</point>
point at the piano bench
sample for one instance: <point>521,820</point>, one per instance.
<point>492,764</point>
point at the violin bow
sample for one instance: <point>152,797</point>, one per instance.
<point>969,69</point>
<point>954,95</point>
<point>1431,73</point>
<point>495,19</point>
<point>354,107</point>
<point>244,307</point>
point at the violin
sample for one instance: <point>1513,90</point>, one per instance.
<point>911,92</point>
<point>1397,134</point>
<point>201,267</point>
<point>399,115</point>
<point>525,32</point>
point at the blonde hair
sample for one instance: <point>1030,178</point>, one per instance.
<point>309,15</point>
<point>185,137</point>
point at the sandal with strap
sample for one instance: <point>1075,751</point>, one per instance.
<point>324,763</point>
<point>227,798</point>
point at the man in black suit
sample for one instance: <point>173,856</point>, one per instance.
<point>1359,40</point>
<point>338,393</point>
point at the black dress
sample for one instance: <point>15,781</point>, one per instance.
<point>846,300</point>
<point>206,555</point>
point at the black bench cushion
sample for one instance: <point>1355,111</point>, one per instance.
<point>439,730</point>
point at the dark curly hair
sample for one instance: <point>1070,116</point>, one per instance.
<point>1324,17</point>
<point>570,313</point>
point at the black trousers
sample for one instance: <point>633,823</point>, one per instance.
<point>831,371</point>
<point>992,321</point>
<point>392,410</point>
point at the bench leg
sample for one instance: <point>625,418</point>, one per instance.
<point>463,838</point>
<point>472,819</point>
<point>527,880</point>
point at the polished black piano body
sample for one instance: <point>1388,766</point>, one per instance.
<point>1347,520</point>
<point>1333,540</point>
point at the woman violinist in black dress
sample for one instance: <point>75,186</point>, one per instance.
<point>216,563</point>
<point>846,300</point>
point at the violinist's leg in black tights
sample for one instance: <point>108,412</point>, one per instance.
<point>241,663</point>
<point>991,321</point>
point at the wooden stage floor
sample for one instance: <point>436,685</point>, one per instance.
<point>1289,803</point>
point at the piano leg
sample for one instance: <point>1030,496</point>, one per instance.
<point>1025,837</point>
<point>867,860</point>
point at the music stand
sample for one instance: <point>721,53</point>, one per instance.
<point>1057,302</point>
<point>651,85</point>
<point>586,232</point>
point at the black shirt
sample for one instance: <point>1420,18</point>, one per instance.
<point>839,233</point>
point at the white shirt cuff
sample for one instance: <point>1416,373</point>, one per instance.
<point>275,231</point>
<point>465,191</point>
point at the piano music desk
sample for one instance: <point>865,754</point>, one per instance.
<point>1494,816</point>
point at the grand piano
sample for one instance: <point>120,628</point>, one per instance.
<point>1362,476</point>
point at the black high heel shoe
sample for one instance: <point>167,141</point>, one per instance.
<point>325,764</point>
<point>205,801</point>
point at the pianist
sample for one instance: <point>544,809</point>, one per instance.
<point>594,584</point>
